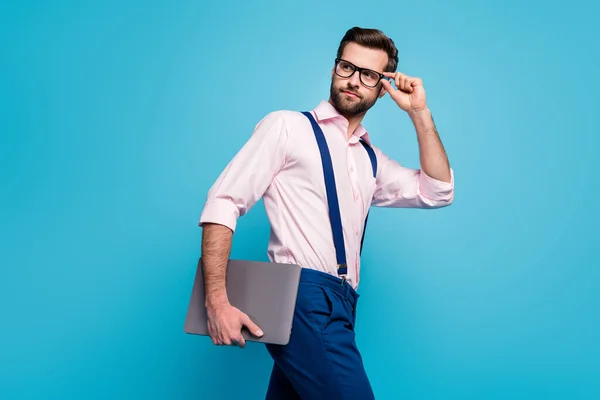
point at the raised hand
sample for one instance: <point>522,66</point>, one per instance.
<point>409,93</point>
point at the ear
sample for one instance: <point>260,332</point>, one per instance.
<point>382,92</point>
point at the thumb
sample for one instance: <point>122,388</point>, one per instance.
<point>388,86</point>
<point>254,329</point>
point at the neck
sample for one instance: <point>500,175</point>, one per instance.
<point>353,120</point>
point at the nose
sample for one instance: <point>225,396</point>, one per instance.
<point>354,80</point>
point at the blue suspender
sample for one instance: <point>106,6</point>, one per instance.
<point>332,199</point>
<point>373,158</point>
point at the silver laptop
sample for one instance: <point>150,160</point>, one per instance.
<point>265,291</point>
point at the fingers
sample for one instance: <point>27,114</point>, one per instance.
<point>229,337</point>
<point>403,82</point>
<point>217,336</point>
<point>387,86</point>
<point>228,331</point>
<point>238,340</point>
<point>252,327</point>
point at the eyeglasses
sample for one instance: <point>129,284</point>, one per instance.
<point>346,69</point>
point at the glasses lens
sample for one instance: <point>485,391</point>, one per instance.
<point>369,78</point>
<point>344,69</point>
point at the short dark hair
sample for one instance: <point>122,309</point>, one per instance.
<point>373,39</point>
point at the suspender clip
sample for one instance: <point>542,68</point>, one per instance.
<point>342,271</point>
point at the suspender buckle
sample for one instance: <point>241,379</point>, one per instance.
<point>342,271</point>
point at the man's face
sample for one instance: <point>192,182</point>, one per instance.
<point>349,95</point>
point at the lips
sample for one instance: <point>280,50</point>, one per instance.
<point>351,94</point>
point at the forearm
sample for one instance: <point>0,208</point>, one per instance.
<point>434,160</point>
<point>216,248</point>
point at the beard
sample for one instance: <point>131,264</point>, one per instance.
<point>349,106</point>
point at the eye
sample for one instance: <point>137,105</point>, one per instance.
<point>370,75</point>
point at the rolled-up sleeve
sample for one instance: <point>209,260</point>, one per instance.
<point>399,186</point>
<point>248,175</point>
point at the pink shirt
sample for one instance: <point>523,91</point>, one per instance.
<point>281,163</point>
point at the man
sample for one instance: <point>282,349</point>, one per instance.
<point>283,163</point>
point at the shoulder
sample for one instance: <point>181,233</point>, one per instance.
<point>282,128</point>
<point>283,121</point>
<point>289,117</point>
<point>274,121</point>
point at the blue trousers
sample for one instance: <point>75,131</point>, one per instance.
<point>321,360</point>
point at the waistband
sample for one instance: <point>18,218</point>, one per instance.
<point>330,281</point>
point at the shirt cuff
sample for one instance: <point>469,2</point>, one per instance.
<point>220,211</point>
<point>435,189</point>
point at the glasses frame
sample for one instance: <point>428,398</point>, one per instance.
<point>360,70</point>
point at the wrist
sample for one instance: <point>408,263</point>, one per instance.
<point>422,120</point>
<point>216,299</point>
<point>419,114</point>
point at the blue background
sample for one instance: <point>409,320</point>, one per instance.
<point>116,118</point>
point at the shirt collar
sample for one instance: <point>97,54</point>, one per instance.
<point>325,111</point>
